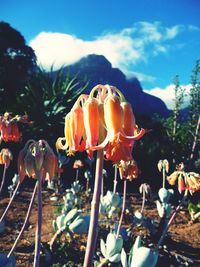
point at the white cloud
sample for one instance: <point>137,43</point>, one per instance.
<point>140,76</point>
<point>64,49</point>
<point>167,94</point>
<point>193,28</point>
<point>173,31</point>
<point>124,49</point>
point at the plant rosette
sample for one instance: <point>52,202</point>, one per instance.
<point>73,222</point>
<point>110,203</point>
<point>139,256</point>
<point>111,250</point>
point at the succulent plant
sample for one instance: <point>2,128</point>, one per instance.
<point>73,222</point>
<point>71,200</point>
<point>62,221</point>
<point>80,225</point>
<point>139,256</point>
<point>110,203</point>
<point>76,187</point>
<point>140,220</point>
<point>163,207</point>
<point>111,250</point>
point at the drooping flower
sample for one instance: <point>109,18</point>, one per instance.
<point>5,157</point>
<point>37,157</point>
<point>9,130</point>
<point>186,180</point>
<point>118,144</point>
<point>74,130</point>
<point>128,170</point>
<point>109,124</point>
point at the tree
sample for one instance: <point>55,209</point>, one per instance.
<point>17,63</point>
<point>182,127</point>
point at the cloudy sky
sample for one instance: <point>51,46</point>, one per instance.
<point>151,39</point>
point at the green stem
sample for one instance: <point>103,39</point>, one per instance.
<point>123,210</point>
<point>10,202</point>
<point>39,223</point>
<point>92,234</point>
<point>25,221</point>
<point>3,177</point>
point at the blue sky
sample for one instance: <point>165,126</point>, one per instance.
<point>152,39</point>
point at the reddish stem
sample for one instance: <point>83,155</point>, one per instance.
<point>39,223</point>
<point>77,173</point>
<point>25,221</point>
<point>123,210</point>
<point>3,177</point>
<point>171,220</point>
<point>10,202</point>
<point>143,200</point>
<point>115,180</point>
<point>92,234</point>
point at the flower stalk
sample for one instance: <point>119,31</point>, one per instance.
<point>123,209</point>
<point>115,180</point>
<point>3,178</point>
<point>39,223</point>
<point>143,200</point>
<point>92,234</point>
<point>10,202</point>
<point>25,221</point>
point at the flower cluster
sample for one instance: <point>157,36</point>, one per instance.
<point>128,170</point>
<point>9,130</point>
<point>37,158</point>
<point>101,120</point>
<point>5,157</point>
<point>186,180</point>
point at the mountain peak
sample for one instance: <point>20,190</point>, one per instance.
<point>94,60</point>
<point>98,70</point>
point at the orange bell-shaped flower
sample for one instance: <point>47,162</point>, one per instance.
<point>76,127</point>
<point>91,121</point>
<point>113,115</point>
<point>129,119</point>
